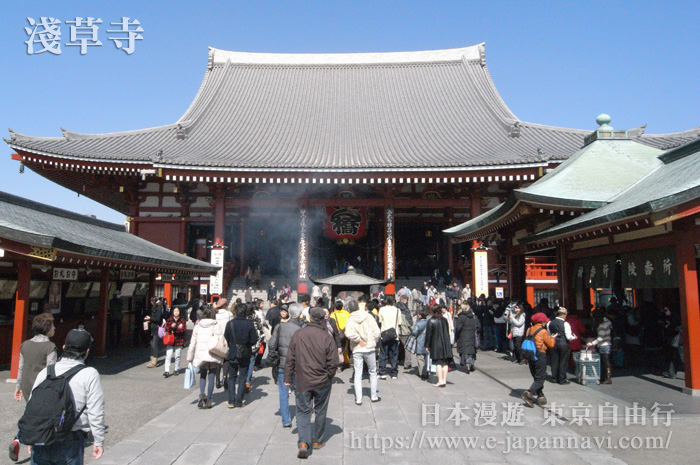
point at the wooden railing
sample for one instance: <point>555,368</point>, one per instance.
<point>230,271</point>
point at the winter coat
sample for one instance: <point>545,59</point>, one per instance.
<point>418,331</point>
<point>157,313</point>
<point>312,358</point>
<point>579,331</point>
<point>178,330</point>
<point>198,352</point>
<point>517,325</point>
<point>466,326</point>
<point>543,340</point>
<point>240,331</point>
<point>223,316</point>
<point>405,312</point>
<point>437,339</point>
<point>285,331</point>
<point>361,326</point>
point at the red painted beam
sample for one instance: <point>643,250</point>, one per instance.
<point>24,276</point>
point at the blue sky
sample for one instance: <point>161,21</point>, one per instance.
<point>558,63</point>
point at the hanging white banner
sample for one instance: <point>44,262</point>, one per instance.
<point>481,273</point>
<point>216,281</point>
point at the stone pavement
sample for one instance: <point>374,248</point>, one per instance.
<point>397,430</point>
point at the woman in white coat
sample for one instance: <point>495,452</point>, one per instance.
<point>200,357</point>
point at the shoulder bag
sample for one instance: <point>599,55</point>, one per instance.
<point>217,345</point>
<point>273,356</point>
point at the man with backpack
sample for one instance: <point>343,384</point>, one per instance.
<point>57,428</point>
<point>534,350</point>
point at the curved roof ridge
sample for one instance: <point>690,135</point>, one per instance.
<point>584,132</point>
<point>218,56</point>
<point>73,135</point>
<point>204,97</point>
<point>695,130</point>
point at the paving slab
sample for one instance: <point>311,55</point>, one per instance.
<point>478,418</point>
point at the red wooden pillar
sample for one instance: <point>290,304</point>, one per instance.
<point>564,279</point>
<point>303,258</point>
<point>168,292</point>
<point>530,296</point>
<point>24,276</point>
<point>182,243</point>
<point>389,252</point>
<point>241,246</point>
<point>220,217</point>
<point>690,310</point>
<point>133,222</point>
<point>474,211</point>
<point>101,336</point>
<point>151,291</point>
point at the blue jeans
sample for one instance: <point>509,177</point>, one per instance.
<point>249,377</point>
<point>489,342</point>
<point>316,401</point>
<point>237,373</point>
<point>284,397</point>
<point>69,452</point>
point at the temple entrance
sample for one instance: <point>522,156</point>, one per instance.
<point>272,243</point>
<point>419,249</point>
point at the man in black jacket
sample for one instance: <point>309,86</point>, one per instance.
<point>560,353</point>
<point>240,335</point>
<point>155,319</point>
<point>312,359</point>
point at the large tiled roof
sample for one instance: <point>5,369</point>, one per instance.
<point>40,225</point>
<point>411,111</point>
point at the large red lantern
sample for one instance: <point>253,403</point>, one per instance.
<point>346,222</point>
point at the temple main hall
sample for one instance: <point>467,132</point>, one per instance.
<point>302,164</point>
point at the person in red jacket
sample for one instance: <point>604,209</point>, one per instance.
<point>579,331</point>
<point>538,368</point>
<point>177,326</point>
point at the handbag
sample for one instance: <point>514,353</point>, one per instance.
<point>161,330</point>
<point>217,345</point>
<point>169,339</point>
<point>190,376</point>
<point>411,343</point>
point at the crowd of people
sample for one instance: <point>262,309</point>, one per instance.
<point>307,341</point>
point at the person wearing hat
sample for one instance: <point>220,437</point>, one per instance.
<point>538,368</point>
<point>87,394</point>
<point>561,352</point>
<point>311,363</point>
<point>114,319</point>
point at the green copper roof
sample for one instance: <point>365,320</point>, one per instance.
<point>589,179</point>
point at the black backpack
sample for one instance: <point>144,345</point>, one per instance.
<point>528,350</point>
<point>50,413</point>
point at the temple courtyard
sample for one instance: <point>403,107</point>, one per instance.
<point>477,418</point>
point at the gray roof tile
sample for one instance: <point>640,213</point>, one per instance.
<point>410,110</point>
<point>41,225</point>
